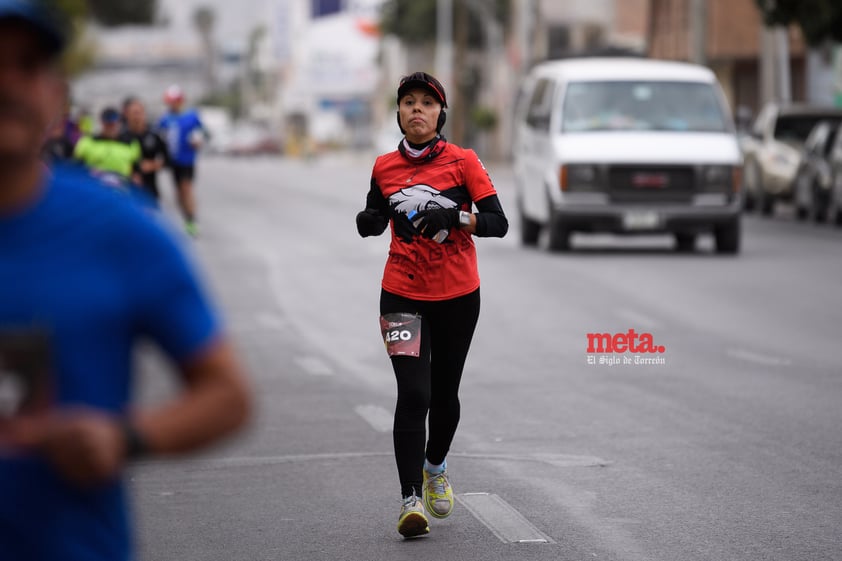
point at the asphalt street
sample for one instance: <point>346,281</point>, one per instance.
<point>730,449</point>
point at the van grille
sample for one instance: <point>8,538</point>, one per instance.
<point>651,184</point>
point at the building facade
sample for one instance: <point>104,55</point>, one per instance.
<point>730,38</point>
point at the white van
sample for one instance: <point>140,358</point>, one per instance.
<point>629,146</point>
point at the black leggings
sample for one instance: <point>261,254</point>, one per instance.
<point>430,382</point>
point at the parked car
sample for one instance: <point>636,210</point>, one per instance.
<point>834,205</point>
<point>813,180</point>
<point>773,152</point>
<point>252,139</point>
<point>626,146</point>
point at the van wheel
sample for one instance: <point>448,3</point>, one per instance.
<point>766,202</point>
<point>834,214</point>
<point>530,230</point>
<point>752,186</point>
<point>685,242</point>
<point>748,201</point>
<point>559,235</point>
<point>727,237</point>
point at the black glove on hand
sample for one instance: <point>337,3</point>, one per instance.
<point>404,229</point>
<point>371,223</point>
<point>431,221</point>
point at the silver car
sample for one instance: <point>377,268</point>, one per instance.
<point>814,179</point>
<point>774,150</point>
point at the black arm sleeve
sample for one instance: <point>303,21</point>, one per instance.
<point>375,200</point>
<point>162,149</point>
<point>491,220</point>
<point>375,218</point>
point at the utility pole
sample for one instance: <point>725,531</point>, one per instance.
<point>767,66</point>
<point>526,12</point>
<point>698,31</point>
<point>782,60</point>
<point>444,41</point>
<point>458,116</point>
<point>774,65</point>
<point>495,72</point>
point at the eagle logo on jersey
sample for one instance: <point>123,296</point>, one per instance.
<point>419,197</point>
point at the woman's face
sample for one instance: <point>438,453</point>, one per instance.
<point>419,114</point>
<point>136,116</point>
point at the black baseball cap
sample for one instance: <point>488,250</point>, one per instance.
<point>425,82</point>
<point>39,18</point>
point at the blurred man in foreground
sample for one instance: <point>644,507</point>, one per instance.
<point>84,273</point>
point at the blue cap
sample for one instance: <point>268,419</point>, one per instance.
<point>109,115</point>
<point>34,14</point>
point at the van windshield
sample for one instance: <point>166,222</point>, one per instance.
<point>642,105</point>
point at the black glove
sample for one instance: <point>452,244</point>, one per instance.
<point>371,223</point>
<point>431,221</point>
<point>404,229</point>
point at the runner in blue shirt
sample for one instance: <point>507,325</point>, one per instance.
<point>84,274</point>
<point>184,134</point>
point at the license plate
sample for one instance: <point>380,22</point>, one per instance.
<point>641,220</point>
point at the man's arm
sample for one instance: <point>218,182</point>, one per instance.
<point>89,447</point>
<point>80,151</point>
<point>214,403</point>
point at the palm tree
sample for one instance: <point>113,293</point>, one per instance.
<point>204,19</point>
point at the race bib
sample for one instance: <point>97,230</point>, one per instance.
<point>401,334</point>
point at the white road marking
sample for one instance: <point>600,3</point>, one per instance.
<point>557,460</point>
<point>757,358</point>
<point>314,366</point>
<point>502,519</point>
<point>379,419</point>
<point>570,460</point>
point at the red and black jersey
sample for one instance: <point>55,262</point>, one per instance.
<point>450,177</point>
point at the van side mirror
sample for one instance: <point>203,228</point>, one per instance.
<point>540,122</point>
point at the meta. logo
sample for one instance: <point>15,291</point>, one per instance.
<point>623,342</point>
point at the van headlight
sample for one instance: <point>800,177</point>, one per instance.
<point>578,177</point>
<point>720,179</point>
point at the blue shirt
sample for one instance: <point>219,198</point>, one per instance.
<point>96,272</point>
<point>176,129</point>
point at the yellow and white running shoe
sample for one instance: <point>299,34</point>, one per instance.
<point>412,521</point>
<point>438,494</point>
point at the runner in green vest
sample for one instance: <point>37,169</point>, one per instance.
<point>106,152</point>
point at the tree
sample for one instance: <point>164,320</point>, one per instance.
<point>204,19</point>
<point>123,12</point>
<point>819,20</point>
<point>74,15</point>
<point>414,21</point>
